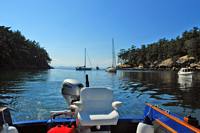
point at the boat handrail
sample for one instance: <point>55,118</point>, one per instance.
<point>165,126</point>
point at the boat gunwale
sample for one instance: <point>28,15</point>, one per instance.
<point>61,120</point>
<point>183,123</point>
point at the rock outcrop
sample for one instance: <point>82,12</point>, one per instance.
<point>168,63</point>
<point>185,59</point>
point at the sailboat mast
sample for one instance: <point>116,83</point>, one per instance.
<point>113,54</point>
<point>85,59</point>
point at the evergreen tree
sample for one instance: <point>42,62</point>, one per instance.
<point>18,52</point>
<point>187,44</point>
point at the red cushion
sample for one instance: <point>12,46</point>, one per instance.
<point>62,129</point>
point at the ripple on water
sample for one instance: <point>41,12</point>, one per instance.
<point>34,94</point>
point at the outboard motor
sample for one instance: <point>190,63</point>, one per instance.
<point>5,120</point>
<point>71,90</point>
<point>146,126</point>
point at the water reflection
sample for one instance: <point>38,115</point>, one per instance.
<point>34,93</point>
<point>165,88</point>
<point>14,83</point>
<point>185,81</point>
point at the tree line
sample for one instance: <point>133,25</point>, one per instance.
<point>186,44</point>
<point>17,52</point>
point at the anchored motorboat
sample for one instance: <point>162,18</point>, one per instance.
<point>185,72</point>
<point>92,110</point>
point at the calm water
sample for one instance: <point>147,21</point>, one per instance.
<point>32,94</point>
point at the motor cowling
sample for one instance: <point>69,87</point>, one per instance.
<point>71,90</point>
<point>8,129</point>
<point>146,126</point>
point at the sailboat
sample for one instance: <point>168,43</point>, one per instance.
<point>83,68</point>
<point>113,68</point>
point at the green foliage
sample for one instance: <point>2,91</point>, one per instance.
<point>187,44</point>
<point>18,52</point>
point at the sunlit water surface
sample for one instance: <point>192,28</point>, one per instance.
<point>33,94</point>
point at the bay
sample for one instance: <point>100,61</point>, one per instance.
<point>33,94</point>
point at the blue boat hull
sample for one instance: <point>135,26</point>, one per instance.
<point>168,121</point>
<point>160,118</point>
<point>125,125</point>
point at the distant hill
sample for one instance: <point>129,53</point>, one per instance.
<point>17,52</point>
<point>165,53</point>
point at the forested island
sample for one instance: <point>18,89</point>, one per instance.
<point>17,52</point>
<point>183,51</point>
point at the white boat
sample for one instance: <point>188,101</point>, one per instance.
<point>185,72</point>
<point>113,68</point>
<point>83,68</point>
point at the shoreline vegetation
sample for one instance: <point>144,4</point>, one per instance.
<point>173,54</point>
<point>17,52</point>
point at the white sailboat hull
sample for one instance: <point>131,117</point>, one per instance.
<point>111,69</point>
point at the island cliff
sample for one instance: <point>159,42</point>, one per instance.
<point>17,52</point>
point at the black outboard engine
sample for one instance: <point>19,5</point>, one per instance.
<point>71,90</point>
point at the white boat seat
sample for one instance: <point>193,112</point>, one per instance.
<point>98,119</point>
<point>95,107</point>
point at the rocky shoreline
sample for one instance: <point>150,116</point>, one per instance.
<point>168,64</point>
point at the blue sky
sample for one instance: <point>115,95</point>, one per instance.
<point>65,27</point>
